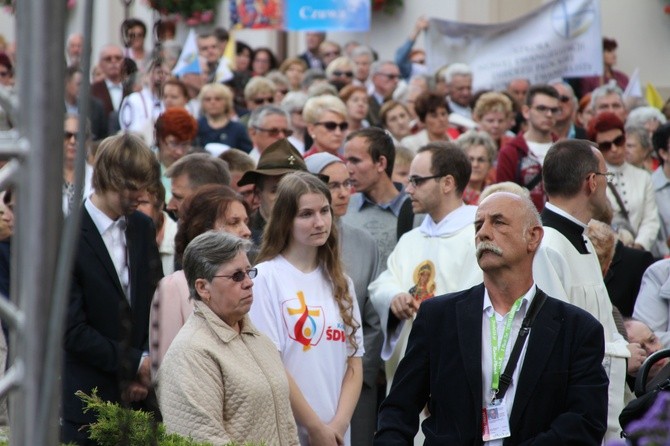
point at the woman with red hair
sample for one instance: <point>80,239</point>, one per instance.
<point>175,131</point>
<point>629,190</point>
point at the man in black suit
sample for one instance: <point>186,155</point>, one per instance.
<point>311,55</point>
<point>111,90</point>
<point>116,269</point>
<point>558,390</point>
<point>73,77</point>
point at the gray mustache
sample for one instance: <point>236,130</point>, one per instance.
<point>488,246</point>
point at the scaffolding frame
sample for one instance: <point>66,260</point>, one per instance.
<point>43,246</point>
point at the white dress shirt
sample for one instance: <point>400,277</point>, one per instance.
<point>487,356</point>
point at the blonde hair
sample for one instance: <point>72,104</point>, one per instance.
<point>277,235</point>
<point>258,85</point>
<point>492,102</point>
<point>218,90</point>
<point>315,107</point>
<point>339,64</point>
<point>124,162</point>
<point>604,241</point>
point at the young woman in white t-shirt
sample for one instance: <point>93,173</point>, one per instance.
<point>306,304</point>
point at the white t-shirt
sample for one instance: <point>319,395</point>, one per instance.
<point>298,313</point>
<point>539,149</point>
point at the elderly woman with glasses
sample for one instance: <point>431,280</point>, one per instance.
<point>630,191</point>
<point>216,125</point>
<point>258,92</point>
<point>222,380</point>
<point>326,117</point>
<point>340,72</point>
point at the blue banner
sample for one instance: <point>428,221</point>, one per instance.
<point>327,15</point>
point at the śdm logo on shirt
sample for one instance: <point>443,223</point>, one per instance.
<point>308,322</point>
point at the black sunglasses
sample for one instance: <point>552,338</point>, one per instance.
<point>607,145</point>
<point>275,131</point>
<point>259,101</point>
<point>338,73</point>
<point>239,276</point>
<point>331,125</point>
<point>417,181</point>
<point>69,135</point>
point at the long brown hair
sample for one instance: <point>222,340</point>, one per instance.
<point>277,235</point>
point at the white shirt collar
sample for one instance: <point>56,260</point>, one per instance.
<point>111,84</point>
<point>562,213</point>
<point>527,298</point>
<point>454,221</point>
<point>100,219</point>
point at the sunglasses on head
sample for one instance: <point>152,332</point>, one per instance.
<point>607,145</point>
<point>331,125</point>
<point>260,101</point>
<point>338,73</point>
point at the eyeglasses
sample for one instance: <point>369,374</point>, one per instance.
<point>417,181</point>
<point>260,101</point>
<point>609,176</point>
<point>605,146</point>
<point>347,184</point>
<point>390,76</point>
<point>331,54</point>
<point>564,99</point>
<point>135,35</point>
<point>69,135</point>
<point>239,276</point>
<point>338,73</point>
<point>545,109</point>
<point>184,145</point>
<point>275,131</point>
<point>331,125</point>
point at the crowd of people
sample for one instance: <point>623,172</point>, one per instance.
<point>265,245</point>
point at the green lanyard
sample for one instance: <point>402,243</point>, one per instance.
<point>498,351</point>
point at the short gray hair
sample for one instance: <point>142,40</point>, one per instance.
<point>201,169</point>
<point>642,135</point>
<point>257,116</point>
<point>377,66</point>
<point>294,101</point>
<point>605,90</point>
<point>456,69</point>
<point>641,115</point>
<point>206,253</point>
<point>478,138</point>
<point>362,50</point>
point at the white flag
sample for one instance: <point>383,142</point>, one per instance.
<point>559,39</point>
<point>188,61</point>
<point>634,88</point>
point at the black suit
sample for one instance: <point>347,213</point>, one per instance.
<point>99,351</point>
<point>624,276</point>
<point>561,395</point>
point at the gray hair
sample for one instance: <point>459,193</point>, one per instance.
<point>201,169</point>
<point>362,50</point>
<point>605,90</point>
<point>641,115</point>
<point>478,138</point>
<point>567,86</point>
<point>642,135</point>
<point>456,69</point>
<point>505,186</point>
<point>278,78</point>
<point>294,101</point>
<point>312,75</point>
<point>257,116</point>
<point>377,66</point>
<point>207,253</point>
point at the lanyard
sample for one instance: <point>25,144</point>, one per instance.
<point>498,350</point>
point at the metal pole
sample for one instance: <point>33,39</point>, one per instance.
<point>41,35</point>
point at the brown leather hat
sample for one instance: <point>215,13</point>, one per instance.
<point>278,158</point>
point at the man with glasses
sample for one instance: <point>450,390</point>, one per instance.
<point>565,126</point>
<point>385,76</point>
<point>266,125</point>
<point>110,91</point>
<point>520,159</point>
<point>436,258</point>
<point>566,265</point>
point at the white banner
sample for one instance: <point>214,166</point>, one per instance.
<point>559,39</point>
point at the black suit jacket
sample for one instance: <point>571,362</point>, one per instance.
<point>99,350</point>
<point>100,92</point>
<point>561,395</point>
<point>624,276</point>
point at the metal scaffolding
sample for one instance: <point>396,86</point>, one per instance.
<point>42,245</point>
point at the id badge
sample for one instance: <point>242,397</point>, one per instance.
<point>495,424</point>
